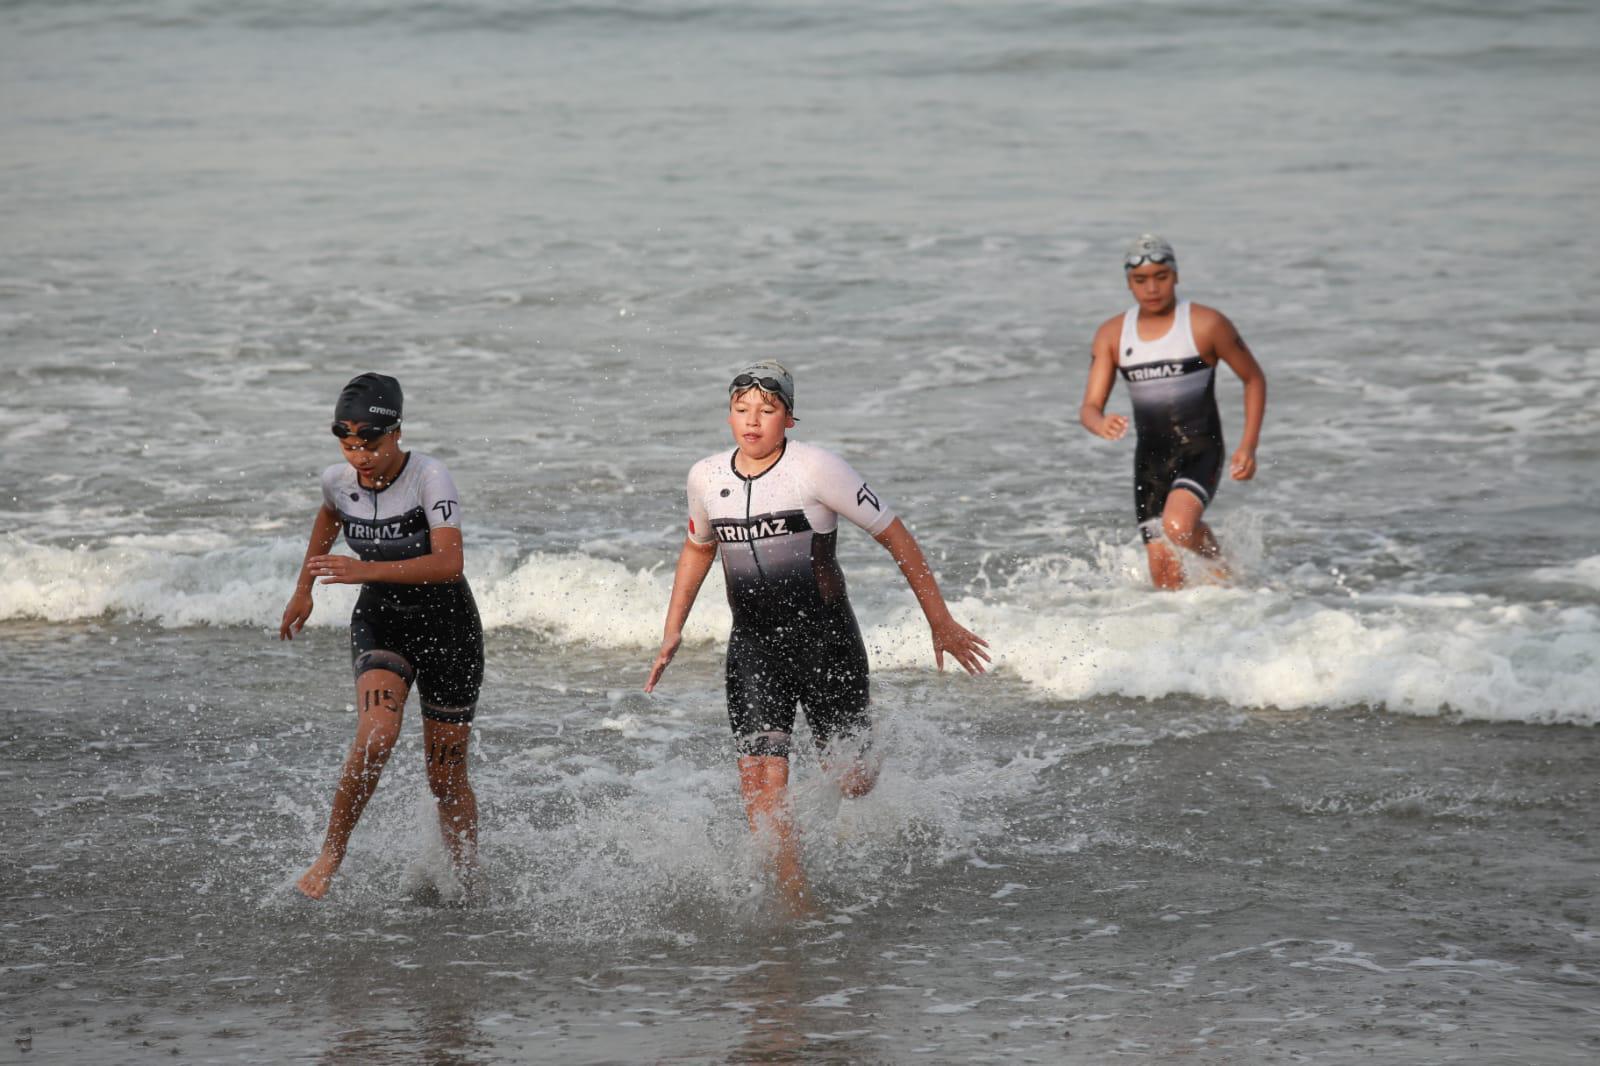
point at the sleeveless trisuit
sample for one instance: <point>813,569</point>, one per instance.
<point>1175,415</point>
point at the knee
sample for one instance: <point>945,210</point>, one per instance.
<point>377,741</point>
<point>447,770</point>
<point>1179,529</point>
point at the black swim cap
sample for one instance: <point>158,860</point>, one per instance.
<point>372,398</point>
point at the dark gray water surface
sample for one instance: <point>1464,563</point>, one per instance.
<point>1035,881</point>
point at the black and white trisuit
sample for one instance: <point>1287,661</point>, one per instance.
<point>428,634</point>
<point>1173,391</point>
<point>795,638</point>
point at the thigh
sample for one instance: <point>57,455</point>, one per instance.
<point>446,745</point>
<point>380,709</point>
<point>1183,511</point>
<point>377,646</point>
<point>449,651</point>
<point>1153,471</point>
<point>381,690</point>
<point>762,696</point>
<point>1198,472</point>
<point>837,686</point>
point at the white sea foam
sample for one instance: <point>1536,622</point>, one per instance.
<point>180,581</point>
<point>1583,572</point>
<point>584,849</point>
<point>1085,635</point>
<point>156,580</point>
<point>1471,655</point>
<point>581,599</point>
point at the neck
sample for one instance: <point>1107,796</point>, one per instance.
<point>750,466</point>
<point>384,476</point>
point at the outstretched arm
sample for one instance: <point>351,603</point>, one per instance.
<point>324,531</point>
<point>1102,376</point>
<point>948,635</point>
<point>694,562</point>
<point>1231,349</point>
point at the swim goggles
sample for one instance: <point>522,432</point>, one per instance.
<point>1134,261</point>
<point>769,385</point>
<point>366,433</point>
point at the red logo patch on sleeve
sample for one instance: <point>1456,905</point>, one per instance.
<point>691,525</point>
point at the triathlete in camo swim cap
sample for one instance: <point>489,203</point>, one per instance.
<point>771,507</point>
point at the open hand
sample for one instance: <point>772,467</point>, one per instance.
<point>965,646</point>
<point>669,648</point>
<point>295,615</point>
<point>1243,467</point>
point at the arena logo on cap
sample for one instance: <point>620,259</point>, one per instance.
<point>383,411</point>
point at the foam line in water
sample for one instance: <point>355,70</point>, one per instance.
<point>1417,654</point>
<point>1075,636</point>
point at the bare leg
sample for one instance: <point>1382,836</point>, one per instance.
<point>1166,572</point>
<point>764,784</point>
<point>1181,521</point>
<point>381,697</point>
<point>855,771</point>
<point>446,745</point>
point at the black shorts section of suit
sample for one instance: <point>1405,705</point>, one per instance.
<point>1195,466</point>
<point>437,637</point>
<point>818,666</point>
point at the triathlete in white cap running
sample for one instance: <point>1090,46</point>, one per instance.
<point>772,506</point>
<point>1167,351</point>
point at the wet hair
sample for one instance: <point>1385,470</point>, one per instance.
<point>772,397</point>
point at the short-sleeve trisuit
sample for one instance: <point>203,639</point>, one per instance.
<point>1173,390</point>
<point>429,634</point>
<point>795,638</point>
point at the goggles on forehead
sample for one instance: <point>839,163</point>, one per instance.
<point>365,433</point>
<point>750,381</point>
<point>1135,261</point>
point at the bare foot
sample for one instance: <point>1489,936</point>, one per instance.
<point>314,883</point>
<point>858,781</point>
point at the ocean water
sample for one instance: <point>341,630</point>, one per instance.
<point>1343,809</point>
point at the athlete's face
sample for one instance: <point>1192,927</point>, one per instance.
<point>758,422</point>
<point>372,459</point>
<point>1154,286</point>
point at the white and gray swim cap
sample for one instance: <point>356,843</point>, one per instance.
<point>1148,248</point>
<point>769,376</point>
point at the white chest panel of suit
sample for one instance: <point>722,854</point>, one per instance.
<point>775,531</point>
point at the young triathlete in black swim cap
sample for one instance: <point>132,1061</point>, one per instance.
<point>415,622</point>
<point>772,506</point>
